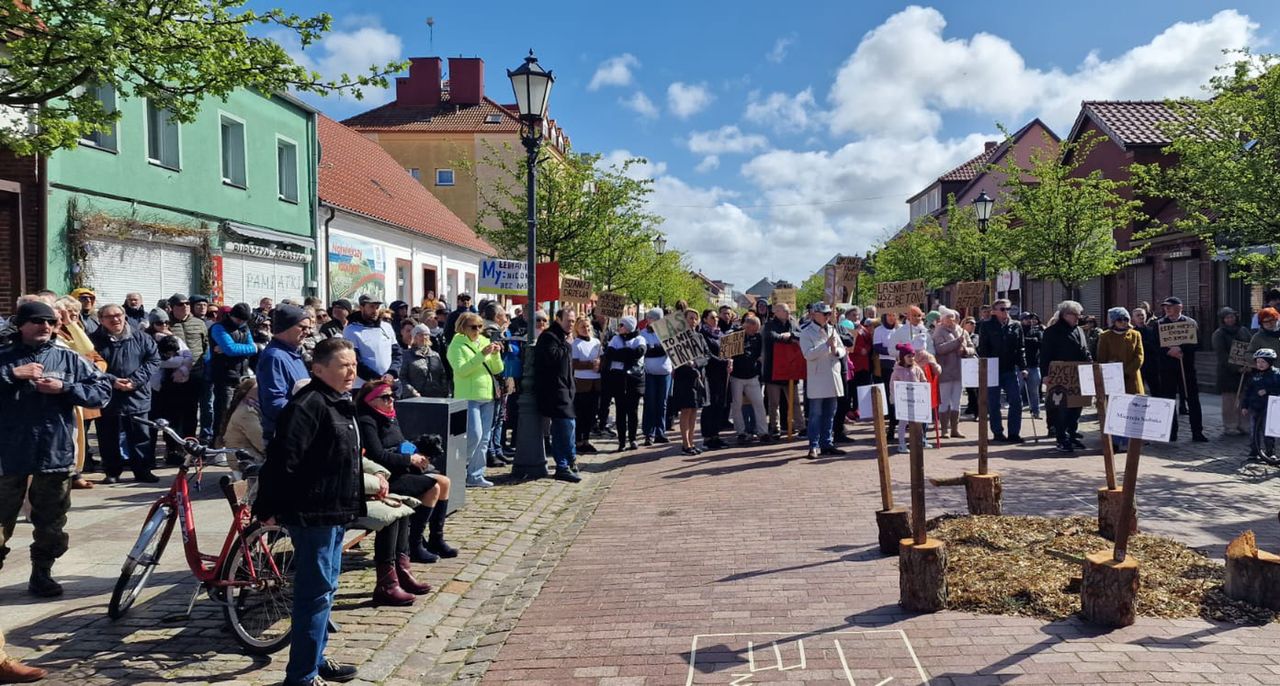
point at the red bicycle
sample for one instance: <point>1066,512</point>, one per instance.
<point>252,576</point>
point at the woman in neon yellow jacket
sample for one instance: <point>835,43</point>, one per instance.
<point>475,360</point>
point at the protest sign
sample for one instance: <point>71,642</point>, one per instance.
<point>611,304</point>
<point>1272,427</point>
<point>829,284</point>
<point>788,363</point>
<point>969,371</point>
<point>898,294</point>
<point>1141,416</point>
<point>1112,379</point>
<point>733,344</point>
<point>1240,355</point>
<point>575,290</point>
<point>504,276</point>
<point>1062,385</point>
<point>847,270</point>
<point>785,296</point>
<point>913,402</point>
<point>1179,333</point>
<point>683,345</point>
<point>865,410</point>
<point>970,295</point>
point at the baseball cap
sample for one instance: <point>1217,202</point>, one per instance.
<point>366,299</point>
<point>343,303</point>
<point>1172,300</point>
<point>822,308</point>
<point>199,299</point>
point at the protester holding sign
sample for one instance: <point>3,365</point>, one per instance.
<point>1064,341</point>
<point>624,378</point>
<point>657,383</point>
<point>906,370</point>
<point>780,330</point>
<point>1122,343</point>
<point>1224,339</point>
<point>1263,384</point>
<point>1001,337</point>
<point>952,344</point>
<point>824,381</point>
<point>715,414</point>
<point>744,381</point>
<point>1176,365</point>
<point>689,391</point>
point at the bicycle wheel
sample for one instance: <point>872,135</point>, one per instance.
<point>141,561</point>
<point>260,611</point>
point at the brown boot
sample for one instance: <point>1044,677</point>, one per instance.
<point>14,672</point>
<point>955,424</point>
<point>404,575</point>
<point>388,591</point>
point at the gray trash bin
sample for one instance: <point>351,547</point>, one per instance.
<point>448,418</point>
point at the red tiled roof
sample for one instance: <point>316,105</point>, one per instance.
<point>1132,122</point>
<point>446,117</point>
<point>358,175</point>
<point>970,170</point>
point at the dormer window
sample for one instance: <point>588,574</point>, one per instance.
<point>493,119</point>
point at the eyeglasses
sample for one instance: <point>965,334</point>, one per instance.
<point>474,327</point>
<point>1002,309</point>
<point>114,315</point>
<point>43,320</point>
<point>385,397</point>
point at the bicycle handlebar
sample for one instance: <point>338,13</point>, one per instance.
<point>189,445</point>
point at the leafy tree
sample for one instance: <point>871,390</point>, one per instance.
<point>1227,176</point>
<point>812,290</point>
<point>173,52</point>
<point>964,245</point>
<point>1063,219</point>
<point>914,253</point>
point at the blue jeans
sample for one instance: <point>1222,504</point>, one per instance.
<point>479,429</point>
<point>1010,383</point>
<point>317,563</point>
<point>563,443</point>
<point>205,399</point>
<point>656,389</point>
<point>495,435</point>
<point>822,416</point>
<point>1033,389</point>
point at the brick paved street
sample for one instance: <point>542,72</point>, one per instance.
<point>667,569</point>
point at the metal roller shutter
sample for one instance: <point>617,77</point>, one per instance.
<point>1091,297</point>
<point>1142,284</point>
<point>250,279</point>
<point>156,270</point>
<point>1186,284</point>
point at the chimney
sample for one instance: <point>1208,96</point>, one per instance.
<point>422,87</point>
<point>466,80</point>
<point>990,145</point>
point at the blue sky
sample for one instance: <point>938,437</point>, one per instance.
<point>777,139</point>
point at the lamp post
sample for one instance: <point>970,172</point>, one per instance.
<point>532,86</point>
<point>983,205</point>
<point>659,247</point>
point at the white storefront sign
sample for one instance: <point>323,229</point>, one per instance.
<point>249,279</point>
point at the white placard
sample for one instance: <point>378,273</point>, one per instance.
<point>1272,427</point>
<point>504,276</point>
<point>1112,379</point>
<point>969,371</point>
<point>865,411</point>
<point>913,402</point>
<point>1141,416</point>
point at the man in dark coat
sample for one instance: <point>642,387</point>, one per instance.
<point>1176,367</point>
<point>781,329</point>
<point>40,385</point>
<point>1001,337</point>
<point>553,385</point>
<point>312,484</point>
<point>132,359</point>
<point>450,324</point>
<point>1065,341</point>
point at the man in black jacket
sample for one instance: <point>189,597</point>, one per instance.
<point>1064,342</point>
<point>312,484</point>
<point>744,382</point>
<point>132,359</point>
<point>1001,337</point>
<point>1176,368</point>
<point>554,388</point>
<point>450,324</point>
<point>781,329</point>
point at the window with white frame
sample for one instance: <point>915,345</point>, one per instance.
<point>415,172</point>
<point>287,169</point>
<point>163,137</point>
<point>105,140</point>
<point>233,153</point>
<point>444,177</point>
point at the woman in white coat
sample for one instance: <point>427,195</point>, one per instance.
<point>824,383</point>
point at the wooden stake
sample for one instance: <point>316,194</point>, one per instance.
<point>1127,509</point>
<point>983,437</point>
<point>1108,453</point>
<point>882,449</point>
<point>791,408</point>
<point>916,431</point>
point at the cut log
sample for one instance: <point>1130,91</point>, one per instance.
<point>1252,575</point>
<point>1110,505</point>
<point>894,525</point>
<point>922,575</point>
<point>983,491</point>
<point>1109,590</point>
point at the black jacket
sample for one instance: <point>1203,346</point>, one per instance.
<point>630,358</point>
<point>1063,343</point>
<point>1170,365</point>
<point>553,373</point>
<point>423,371</point>
<point>1032,338</point>
<point>381,437</point>
<point>1003,341</point>
<point>133,357</point>
<point>717,366</point>
<point>332,329</point>
<point>312,474</point>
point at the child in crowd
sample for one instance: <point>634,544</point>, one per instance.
<point>905,370</point>
<point>1262,383</point>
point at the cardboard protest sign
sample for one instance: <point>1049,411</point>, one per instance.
<point>1272,427</point>
<point>1062,385</point>
<point>897,294</point>
<point>865,409</point>
<point>682,344</point>
<point>970,295</point>
<point>1141,416</point>
<point>1179,333</point>
<point>733,344</point>
<point>829,284</point>
<point>611,304</point>
<point>1239,355</point>
<point>785,296</point>
<point>847,270</point>
<point>969,371</point>
<point>913,402</point>
<point>575,290</point>
<point>504,276</point>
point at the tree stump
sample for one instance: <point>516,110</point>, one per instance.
<point>922,575</point>
<point>1110,505</point>
<point>983,491</point>
<point>1252,575</point>
<point>894,525</point>
<point>1109,589</point>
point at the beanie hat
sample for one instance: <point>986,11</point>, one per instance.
<point>34,310</point>
<point>1267,314</point>
<point>628,323</point>
<point>420,329</point>
<point>285,317</point>
<point>654,315</point>
<point>157,316</point>
<point>905,349</point>
<point>241,311</point>
<point>1116,313</point>
<point>933,316</point>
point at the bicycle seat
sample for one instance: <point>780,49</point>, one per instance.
<point>235,491</point>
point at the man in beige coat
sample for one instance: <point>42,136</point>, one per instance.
<point>824,380</point>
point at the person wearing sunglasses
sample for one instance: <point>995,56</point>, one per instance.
<point>1001,337</point>
<point>474,360</point>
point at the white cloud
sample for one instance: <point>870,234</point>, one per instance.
<point>646,169</point>
<point>779,51</point>
<point>726,139</point>
<point>686,99</point>
<point>784,111</point>
<point>708,163</point>
<point>358,43</point>
<point>905,74</point>
<point>641,105</point>
<point>615,71</point>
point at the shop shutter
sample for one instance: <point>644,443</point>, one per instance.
<point>1142,281</point>
<point>1091,297</point>
<point>1186,284</point>
<point>117,268</point>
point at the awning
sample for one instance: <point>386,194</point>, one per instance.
<point>269,235</point>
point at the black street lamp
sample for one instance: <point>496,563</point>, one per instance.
<point>983,205</point>
<point>532,86</point>
<point>659,247</point>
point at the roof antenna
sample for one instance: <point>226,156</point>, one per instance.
<point>431,30</point>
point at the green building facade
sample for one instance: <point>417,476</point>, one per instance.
<point>224,206</point>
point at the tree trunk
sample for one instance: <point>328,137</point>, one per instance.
<point>1109,590</point>
<point>922,575</point>
<point>1252,575</point>
<point>983,491</point>
<point>1110,506</point>
<point>894,525</point>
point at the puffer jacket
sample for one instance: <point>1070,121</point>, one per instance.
<point>38,428</point>
<point>1259,387</point>
<point>472,371</point>
<point>195,333</point>
<point>133,356</point>
<point>423,374</point>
